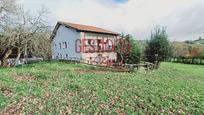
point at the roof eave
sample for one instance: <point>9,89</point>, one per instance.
<point>59,23</point>
<point>63,23</point>
<point>115,34</point>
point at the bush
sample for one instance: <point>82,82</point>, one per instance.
<point>128,50</point>
<point>158,47</point>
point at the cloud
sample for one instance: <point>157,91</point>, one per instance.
<point>183,18</point>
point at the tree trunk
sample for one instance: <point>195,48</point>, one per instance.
<point>157,65</point>
<point>17,58</point>
<point>26,55</point>
<point>5,57</point>
<point>193,60</point>
<point>200,61</point>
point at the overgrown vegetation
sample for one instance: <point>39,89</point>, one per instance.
<point>60,88</point>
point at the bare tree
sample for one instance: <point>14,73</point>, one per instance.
<point>7,7</point>
<point>25,33</point>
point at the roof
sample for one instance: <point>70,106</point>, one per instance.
<point>87,28</point>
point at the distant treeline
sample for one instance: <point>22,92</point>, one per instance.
<point>188,60</point>
<point>187,53</point>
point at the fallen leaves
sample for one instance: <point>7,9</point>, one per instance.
<point>6,92</point>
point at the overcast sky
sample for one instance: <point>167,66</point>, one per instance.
<point>184,19</point>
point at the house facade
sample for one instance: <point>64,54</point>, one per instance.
<point>83,43</point>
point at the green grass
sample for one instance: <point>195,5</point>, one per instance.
<point>57,88</point>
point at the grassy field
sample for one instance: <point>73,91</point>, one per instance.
<point>60,88</point>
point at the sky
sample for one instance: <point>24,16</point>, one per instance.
<point>184,19</point>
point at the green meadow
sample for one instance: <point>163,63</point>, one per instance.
<point>62,88</point>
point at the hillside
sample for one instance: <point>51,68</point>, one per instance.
<point>198,41</point>
<point>201,41</point>
<point>60,88</point>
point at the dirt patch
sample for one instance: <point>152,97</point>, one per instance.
<point>23,77</point>
<point>84,71</point>
<point>120,69</point>
<point>6,92</point>
<point>101,70</point>
<point>14,108</point>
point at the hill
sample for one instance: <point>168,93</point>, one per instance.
<point>200,41</point>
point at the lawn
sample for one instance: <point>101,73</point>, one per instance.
<point>61,88</point>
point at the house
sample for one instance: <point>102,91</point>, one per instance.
<point>83,43</point>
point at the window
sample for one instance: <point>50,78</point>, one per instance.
<point>60,45</point>
<point>57,56</point>
<point>65,44</point>
<point>89,41</point>
<point>67,56</point>
<point>109,45</point>
<point>55,46</point>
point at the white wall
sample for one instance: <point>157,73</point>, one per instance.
<point>68,35</point>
